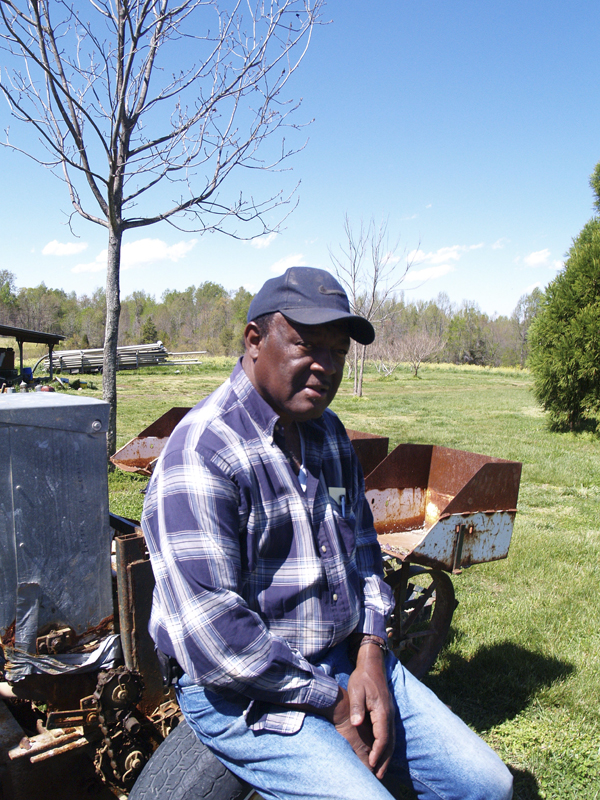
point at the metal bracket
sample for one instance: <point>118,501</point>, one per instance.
<point>460,538</point>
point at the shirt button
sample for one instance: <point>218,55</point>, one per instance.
<point>323,548</point>
<point>335,596</point>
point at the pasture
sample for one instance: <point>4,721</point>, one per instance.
<point>522,662</point>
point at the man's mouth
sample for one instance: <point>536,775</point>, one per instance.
<point>319,390</point>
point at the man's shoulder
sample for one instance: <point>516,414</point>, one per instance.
<point>204,421</point>
<point>226,418</point>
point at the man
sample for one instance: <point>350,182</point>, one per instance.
<point>269,586</point>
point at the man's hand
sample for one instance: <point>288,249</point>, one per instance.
<point>364,715</point>
<point>360,737</point>
<point>371,705</point>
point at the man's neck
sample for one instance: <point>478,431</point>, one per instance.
<point>287,438</point>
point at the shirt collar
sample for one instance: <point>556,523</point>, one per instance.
<point>258,408</point>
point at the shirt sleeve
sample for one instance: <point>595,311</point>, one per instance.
<point>192,526</point>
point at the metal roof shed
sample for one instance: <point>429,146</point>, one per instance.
<point>36,337</point>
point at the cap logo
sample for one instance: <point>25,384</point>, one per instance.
<point>323,290</point>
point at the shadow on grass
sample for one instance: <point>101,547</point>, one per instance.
<point>495,684</point>
<point>525,786</point>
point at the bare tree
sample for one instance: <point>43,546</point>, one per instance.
<point>387,355</point>
<point>371,272</point>
<point>526,310</point>
<point>127,95</point>
<point>419,345</point>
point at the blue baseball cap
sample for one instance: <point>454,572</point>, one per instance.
<point>311,297</point>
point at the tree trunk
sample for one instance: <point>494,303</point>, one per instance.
<point>355,366</point>
<point>363,353</point>
<point>111,335</point>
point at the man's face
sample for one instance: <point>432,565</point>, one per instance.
<point>298,368</point>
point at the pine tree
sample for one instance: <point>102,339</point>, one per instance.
<point>565,336</point>
<point>149,332</point>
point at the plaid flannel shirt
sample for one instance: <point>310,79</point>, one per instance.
<point>256,579</point>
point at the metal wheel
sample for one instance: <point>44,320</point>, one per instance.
<point>425,604</point>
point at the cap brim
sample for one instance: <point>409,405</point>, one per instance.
<point>359,328</point>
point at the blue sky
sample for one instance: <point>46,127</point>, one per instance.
<point>471,127</point>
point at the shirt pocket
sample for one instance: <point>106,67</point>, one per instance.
<point>345,529</point>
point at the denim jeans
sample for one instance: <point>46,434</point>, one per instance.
<point>436,753</point>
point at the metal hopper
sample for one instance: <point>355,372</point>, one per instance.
<point>370,448</point>
<point>140,454</point>
<point>443,508</point>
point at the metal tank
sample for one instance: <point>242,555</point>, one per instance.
<point>54,522</point>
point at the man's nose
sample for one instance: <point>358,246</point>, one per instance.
<point>323,361</point>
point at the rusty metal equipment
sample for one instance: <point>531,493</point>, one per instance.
<point>141,453</point>
<point>115,715</point>
<point>437,511</point>
<point>79,672</point>
<point>370,448</point>
<point>443,508</point>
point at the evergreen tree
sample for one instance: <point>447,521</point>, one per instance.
<point>564,338</point>
<point>149,332</point>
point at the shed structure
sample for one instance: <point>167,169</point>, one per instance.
<point>23,335</point>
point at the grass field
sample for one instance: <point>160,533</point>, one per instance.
<point>522,662</point>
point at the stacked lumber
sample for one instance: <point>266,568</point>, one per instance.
<point>130,357</point>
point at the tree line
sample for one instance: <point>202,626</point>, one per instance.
<point>208,317</point>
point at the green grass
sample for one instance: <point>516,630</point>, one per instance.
<point>522,662</point>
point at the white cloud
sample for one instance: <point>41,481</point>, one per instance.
<point>148,251</point>
<point>537,259</point>
<point>557,265</point>
<point>452,253</point>
<point>500,243</point>
<point>429,273</point>
<point>533,286</point>
<point>140,253</point>
<point>295,260</point>
<point>55,248</point>
<point>412,216</point>
<point>263,241</point>
<point>93,266</point>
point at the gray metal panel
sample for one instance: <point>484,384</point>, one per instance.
<point>8,561</point>
<point>60,532</point>
<point>53,410</point>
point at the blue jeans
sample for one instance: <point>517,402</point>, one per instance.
<point>436,753</point>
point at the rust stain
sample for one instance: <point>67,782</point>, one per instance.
<point>104,628</point>
<point>139,465</point>
<point>397,524</point>
<point>9,634</point>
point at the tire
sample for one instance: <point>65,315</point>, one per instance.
<point>425,603</point>
<point>182,768</point>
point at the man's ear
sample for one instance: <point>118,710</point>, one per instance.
<point>252,339</point>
